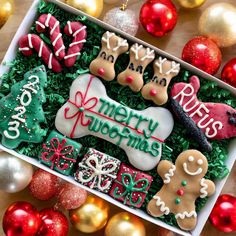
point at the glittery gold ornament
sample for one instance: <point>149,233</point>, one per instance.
<point>6,9</point>
<point>218,23</point>
<point>191,3</point>
<point>91,216</point>
<point>124,224</point>
<point>91,7</point>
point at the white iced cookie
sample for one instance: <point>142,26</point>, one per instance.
<point>89,111</point>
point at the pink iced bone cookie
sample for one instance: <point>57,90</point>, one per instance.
<point>112,47</point>
<point>140,57</point>
<point>156,89</point>
<point>216,120</point>
<point>183,184</point>
<point>89,111</point>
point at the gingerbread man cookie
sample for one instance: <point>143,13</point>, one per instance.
<point>140,57</point>
<point>156,89</point>
<point>183,184</point>
<point>112,47</point>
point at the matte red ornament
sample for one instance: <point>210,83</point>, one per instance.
<point>158,17</point>
<point>21,219</point>
<point>202,53</point>
<point>44,185</point>
<point>54,223</point>
<point>71,196</point>
<point>228,74</point>
<point>223,215</point>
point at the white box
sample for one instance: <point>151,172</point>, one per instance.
<point>204,213</point>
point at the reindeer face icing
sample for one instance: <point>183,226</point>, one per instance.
<point>112,47</point>
<point>140,57</point>
<point>156,89</point>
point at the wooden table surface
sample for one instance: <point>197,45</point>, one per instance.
<point>173,43</point>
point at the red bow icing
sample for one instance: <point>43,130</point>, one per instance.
<point>59,151</point>
<point>83,105</point>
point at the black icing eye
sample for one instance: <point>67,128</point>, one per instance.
<point>131,66</point>
<point>155,79</point>
<point>103,55</point>
<point>110,58</point>
<point>139,69</point>
<point>163,82</point>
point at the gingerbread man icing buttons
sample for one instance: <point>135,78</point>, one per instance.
<point>156,89</point>
<point>112,47</point>
<point>140,57</point>
<point>183,184</point>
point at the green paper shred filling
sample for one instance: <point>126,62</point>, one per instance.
<point>57,93</point>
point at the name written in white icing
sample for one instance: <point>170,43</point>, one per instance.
<point>25,100</point>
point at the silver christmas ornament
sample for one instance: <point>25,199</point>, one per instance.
<point>15,174</point>
<point>125,20</point>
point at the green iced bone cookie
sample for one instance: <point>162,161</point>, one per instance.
<point>21,110</point>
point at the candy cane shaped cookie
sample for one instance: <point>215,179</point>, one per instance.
<point>32,41</point>
<point>78,31</point>
<point>48,21</point>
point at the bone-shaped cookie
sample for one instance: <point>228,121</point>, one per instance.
<point>156,89</point>
<point>140,57</point>
<point>112,47</point>
<point>89,111</point>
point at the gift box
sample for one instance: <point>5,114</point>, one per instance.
<point>131,186</point>
<point>59,153</point>
<point>12,53</point>
<point>97,170</point>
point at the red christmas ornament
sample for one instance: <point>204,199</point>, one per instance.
<point>71,196</point>
<point>228,73</point>
<point>54,223</point>
<point>158,17</point>
<point>44,185</point>
<point>223,215</point>
<point>21,219</point>
<point>202,53</point>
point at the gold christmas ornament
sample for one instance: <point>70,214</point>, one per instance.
<point>91,216</point>
<point>91,7</point>
<point>218,22</point>
<point>124,224</point>
<point>190,4</point>
<point>6,9</point>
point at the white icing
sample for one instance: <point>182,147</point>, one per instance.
<point>47,20</point>
<point>216,123</point>
<point>197,172</point>
<point>203,189</point>
<point>30,85</point>
<point>106,38</point>
<point>135,49</point>
<point>153,115</point>
<point>159,64</point>
<point>120,43</point>
<point>186,214</point>
<point>30,40</point>
<point>25,98</point>
<point>69,27</point>
<point>98,171</point>
<point>77,42</point>
<point>191,158</point>
<point>79,30</point>
<point>41,49</point>
<point>175,67</point>
<point>50,61</point>
<point>169,174</point>
<point>200,162</point>
<point>162,205</point>
<point>56,39</point>
<point>54,27</point>
<point>59,50</point>
<point>72,55</point>
<point>14,127</point>
<point>24,49</point>
<point>149,54</point>
<point>40,24</point>
<point>17,116</point>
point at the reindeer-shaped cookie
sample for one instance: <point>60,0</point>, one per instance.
<point>112,47</point>
<point>156,89</point>
<point>140,57</point>
<point>183,184</point>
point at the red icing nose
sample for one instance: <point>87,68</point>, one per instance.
<point>153,92</point>
<point>129,79</point>
<point>101,71</point>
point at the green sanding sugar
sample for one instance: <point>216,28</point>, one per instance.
<point>57,93</point>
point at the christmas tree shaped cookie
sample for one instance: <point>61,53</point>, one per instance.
<point>21,110</point>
